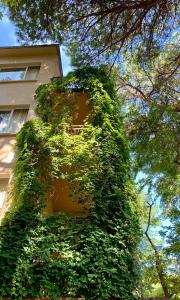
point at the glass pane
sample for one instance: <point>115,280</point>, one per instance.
<point>17,120</point>
<point>3,190</point>
<point>12,74</point>
<point>32,73</point>
<point>4,120</point>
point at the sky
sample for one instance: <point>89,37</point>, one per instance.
<point>8,38</point>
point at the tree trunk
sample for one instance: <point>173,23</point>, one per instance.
<point>160,272</point>
<point>159,267</point>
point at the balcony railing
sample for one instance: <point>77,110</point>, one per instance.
<point>75,129</point>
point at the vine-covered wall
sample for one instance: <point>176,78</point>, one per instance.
<point>93,256</point>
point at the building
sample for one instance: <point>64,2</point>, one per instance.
<point>22,70</point>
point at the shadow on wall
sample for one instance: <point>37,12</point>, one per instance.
<point>7,153</point>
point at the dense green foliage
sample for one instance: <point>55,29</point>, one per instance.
<point>60,255</point>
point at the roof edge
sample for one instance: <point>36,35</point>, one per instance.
<point>29,46</point>
<point>57,46</point>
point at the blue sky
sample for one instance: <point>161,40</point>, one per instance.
<point>8,38</point>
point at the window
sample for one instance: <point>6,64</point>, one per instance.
<point>24,73</point>
<point>2,197</point>
<point>11,121</point>
<point>3,190</point>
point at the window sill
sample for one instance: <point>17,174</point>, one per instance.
<point>6,174</point>
<point>17,81</point>
<point>8,134</point>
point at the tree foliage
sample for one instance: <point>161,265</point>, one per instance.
<point>93,257</point>
<point>159,267</point>
<point>95,30</point>
<point>149,91</point>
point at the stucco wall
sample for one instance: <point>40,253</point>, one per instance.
<point>7,153</point>
<point>20,94</point>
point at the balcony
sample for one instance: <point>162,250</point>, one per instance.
<point>75,129</point>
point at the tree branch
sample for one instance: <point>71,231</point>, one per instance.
<point>145,5</point>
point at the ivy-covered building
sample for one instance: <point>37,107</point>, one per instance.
<point>72,227</point>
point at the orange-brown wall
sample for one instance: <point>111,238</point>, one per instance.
<point>82,108</point>
<point>61,197</point>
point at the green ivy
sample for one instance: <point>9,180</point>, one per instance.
<point>93,257</point>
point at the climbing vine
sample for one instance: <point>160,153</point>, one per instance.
<point>94,256</point>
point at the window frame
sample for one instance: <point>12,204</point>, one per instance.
<point>10,118</point>
<point>25,67</point>
<point>4,194</point>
